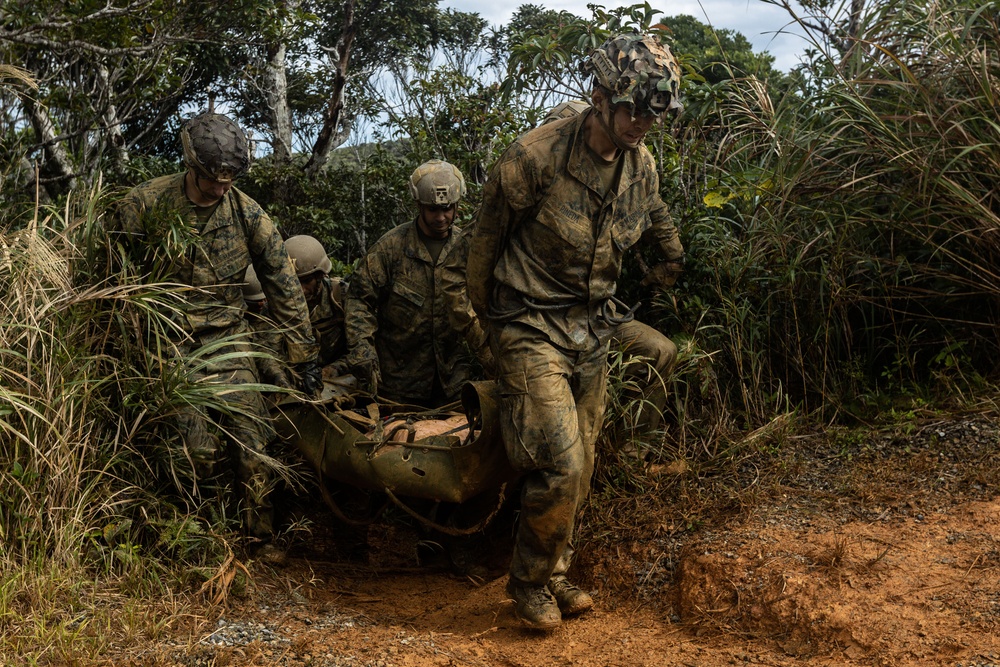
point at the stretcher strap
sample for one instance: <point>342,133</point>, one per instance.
<point>448,530</point>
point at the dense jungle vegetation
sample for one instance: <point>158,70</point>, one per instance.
<point>841,225</point>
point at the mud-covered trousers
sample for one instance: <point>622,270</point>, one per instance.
<point>210,442</point>
<point>551,411</point>
<point>653,359</point>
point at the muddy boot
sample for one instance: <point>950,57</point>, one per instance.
<point>535,606</point>
<point>571,599</point>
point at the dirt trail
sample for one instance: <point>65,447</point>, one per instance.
<point>880,551</point>
<point>788,587</point>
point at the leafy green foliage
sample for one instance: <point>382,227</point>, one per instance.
<point>347,207</point>
<point>87,388</point>
<point>848,226</point>
<point>547,48</point>
<point>715,55</point>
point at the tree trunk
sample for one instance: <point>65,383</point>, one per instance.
<point>57,166</point>
<point>857,6</point>
<point>333,114</point>
<point>276,90</point>
<point>117,153</point>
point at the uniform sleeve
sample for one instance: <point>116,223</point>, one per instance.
<point>506,196</point>
<point>360,307</point>
<point>461,316</point>
<point>269,366</point>
<point>128,216</point>
<point>662,231</point>
<point>284,294</point>
<point>330,328</point>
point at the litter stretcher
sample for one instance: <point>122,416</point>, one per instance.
<point>451,454</point>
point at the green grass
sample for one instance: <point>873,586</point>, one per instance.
<point>94,541</point>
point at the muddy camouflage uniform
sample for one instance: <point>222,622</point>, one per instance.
<point>653,358</point>
<point>328,321</point>
<point>656,354</point>
<point>397,319</point>
<point>214,259</point>
<point>544,262</point>
<point>271,369</point>
<point>653,354</point>
<point>463,319</point>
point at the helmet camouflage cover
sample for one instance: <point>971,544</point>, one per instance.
<point>215,147</point>
<point>437,183</point>
<point>638,70</point>
<point>308,255</point>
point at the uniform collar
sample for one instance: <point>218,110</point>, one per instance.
<point>215,221</point>
<point>415,248</point>
<point>581,163</point>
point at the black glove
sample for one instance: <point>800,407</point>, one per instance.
<point>311,377</point>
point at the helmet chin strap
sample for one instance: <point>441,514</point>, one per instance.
<point>607,125</point>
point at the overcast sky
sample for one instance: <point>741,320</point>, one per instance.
<point>758,21</point>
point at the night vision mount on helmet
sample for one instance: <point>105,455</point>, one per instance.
<point>437,183</point>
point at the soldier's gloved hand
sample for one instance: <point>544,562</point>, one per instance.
<point>311,377</point>
<point>338,368</point>
<point>664,274</point>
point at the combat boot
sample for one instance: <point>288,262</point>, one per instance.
<point>570,598</point>
<point>535,606</point>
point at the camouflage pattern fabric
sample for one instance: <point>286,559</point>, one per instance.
<point>201,460</point>
<point>460,314</point>
<point>215,147</point>
<point>397,318</point>
<point>547,249</point>
<point>551,409</point>
<point>653,358</point>
<point>638,70</point>
<point>215,257</point>
<point>162,229</point>
<point>267,338</point>
<point>652,354</point>
<point>543,263</point>
<point>328,319</point>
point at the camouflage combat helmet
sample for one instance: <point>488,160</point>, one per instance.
<point>215,147</point>
<point>252,290</point>
<point>566,110</point>
<point>308,255</point>
<point>437,183</point>
<point>638,70</point>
